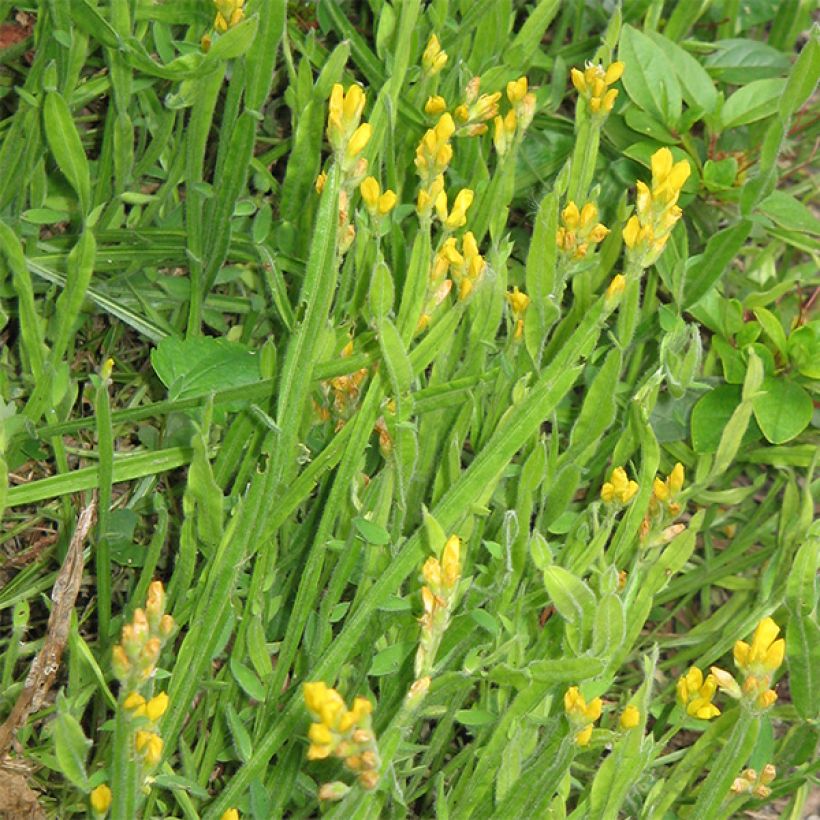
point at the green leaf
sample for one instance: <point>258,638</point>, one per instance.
<point>804,350</point>
<point>190,367</point>
<point>711,414</point>
<point>803,632</point>
<point>247,680</point>
<point>802,78</point>
<point>241,737</point>
<point>740,61</point>
<point>475,716</point>
<point>388,661</point>
<point>609,626</point>
<point>233,43</point>
<point>706,269</point>
<point>697,86</point>
<point>395,357</point>
<point>573,599</point>
<point>789,212</point>
<point>372,532</point>
<point>70,745</point>
<point>774,330</point>
<point>783,409</point>
<point>649,77</point>
<point>755,101</point>
<point>66,146</point>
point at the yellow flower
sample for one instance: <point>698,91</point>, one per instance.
<point>619,488</point>
<point>647,231</point>
<point>504,131</point>
<point>517,90</point>
<point>579,229</point>
<point>100,799</point>
<point>135,704</point>
<point>576,706</point>
<point>344,131</point>
<point>519,302</point>
<point>581,714</point>
<point>359,139</point>
<point>451,562</point>
<point>592,84</point>
<point>616,286</point>
<point>370,191</point>
<point>431,572</point>
<point>433,58</point>
<point>630,717</point>
<point>696,694</point>
<point>765,654</point>
<point>582,738</point>
<point>435,105</point>
<point>319,184</point>
<point>156,707</point>
<point>149,745</point>
<point>457,216</point>
<point>230,814</point>
<point>229,13</point>
<point>676,478</point>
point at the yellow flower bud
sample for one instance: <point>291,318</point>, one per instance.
<point>387,201</point>
<point>135,704</point>
<point>320,734</point>
<point>431,572</point>
<point>149,745</point>
<point>370,191</point>
<point>433,59</point>
<point>570,216</point>
<point>614,72</point>
<point>582,738</point>
<point>630,717</point>
<point>360,138</point>
<point>435,105</point>
<point>451,561</point>
<point>517,90</point>
<point>676,478</point>
<point>319,184</point>
<point>578,80</point>
<point>100,799</point>
<point>458,214</point>
<point>230,814</point>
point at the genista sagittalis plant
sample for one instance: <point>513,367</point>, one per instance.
<point>442,376</point>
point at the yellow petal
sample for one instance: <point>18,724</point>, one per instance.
<point>614,72</point>
<point>661,164</point>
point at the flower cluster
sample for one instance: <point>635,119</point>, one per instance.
<point>437,596</point>
<point>341,732</point>
<point>229,13</point>
<point>696,694</point>
<point>581,715</point>
<point>750,782</point>
<point>756,663</point>
<point>472,115</point>
<point>377,203</point>
<point>346,133</point>
<point>593,85</point>
<point>510,127</point>
<point>518,302</point>
<point>465,267</point>
<point>579,229</point>
<point>433,155</point>
<point>456,217</point>
<point>647,231</point>
<point>619,489</point>
<point>433,59</point>
<point>134,663</point>
<point>134,659</point>
<point>341,393</point>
